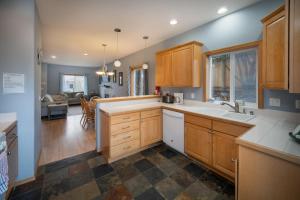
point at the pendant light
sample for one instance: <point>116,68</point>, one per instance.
<point>117,62</point>
<point>145,65</point>
<point>103,71</point>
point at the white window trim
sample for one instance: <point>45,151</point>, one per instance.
<point>232,75</point>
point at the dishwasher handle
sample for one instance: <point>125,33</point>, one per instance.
<point>173,114</point>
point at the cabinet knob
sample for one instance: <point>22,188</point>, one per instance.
<point>8,153</point>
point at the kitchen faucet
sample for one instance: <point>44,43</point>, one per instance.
<point>236,106</point>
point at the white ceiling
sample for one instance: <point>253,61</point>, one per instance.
<point>72,27</point>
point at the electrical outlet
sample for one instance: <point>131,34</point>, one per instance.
<point>192,95</point>
<point>274,102</point>
<point>297,102</point>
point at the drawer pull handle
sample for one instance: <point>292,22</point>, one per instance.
<point>126,148</point>
<point>126,127</point>
<point>126,137</point>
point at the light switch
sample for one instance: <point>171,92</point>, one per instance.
<point>297,104</point>
<point>274,102</point>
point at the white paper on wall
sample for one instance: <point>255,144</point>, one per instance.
<point>13,83</point>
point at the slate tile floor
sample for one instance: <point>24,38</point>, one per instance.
<point>156,173</point>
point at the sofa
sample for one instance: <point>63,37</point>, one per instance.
<point>53,99</point>
<point>73,97</point>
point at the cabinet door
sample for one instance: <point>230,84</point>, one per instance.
<point>224,153</point>
<point>151,130</point>
<point>163,69</point>
<point>12,160</point>
<point>182,67</point>
<point>294,45</point>
<point>198,142</point>
<point>275,68</point>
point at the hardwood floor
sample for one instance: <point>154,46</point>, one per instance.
<point>63,138</point>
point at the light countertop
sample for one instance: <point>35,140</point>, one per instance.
<point>269,132</point>
<point>7,120</point>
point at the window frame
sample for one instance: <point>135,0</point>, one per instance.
<point>74,75</point>
<point>230,50</point>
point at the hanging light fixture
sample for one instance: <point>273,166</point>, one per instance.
<point>117,62</point>
<point>145,65</point>
<point>103,71</point>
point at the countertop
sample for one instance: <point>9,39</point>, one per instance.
<point>269,132</point>
<point>7,120</point>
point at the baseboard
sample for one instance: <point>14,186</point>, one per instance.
<point>27,180</point>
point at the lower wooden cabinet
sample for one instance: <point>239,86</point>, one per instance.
<point>212,142</point>
<point>198,142</point>
<point>151,130</point>
<point>125,134</point>
<point>224,153</point>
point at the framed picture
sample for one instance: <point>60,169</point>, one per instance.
<point>120,78</point>
<point>115,76</point>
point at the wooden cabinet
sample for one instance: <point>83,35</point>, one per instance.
<point>224,153</point>
<point>198,142</point>
<point>293,14</point>
<point>275,64</point>
<point>120,135</point>
<point>182,61</point>
<point>212,142</point>
<point>163,69</point>
<point>179,66</point>
<point>151,130</point>
<point>124,134</point>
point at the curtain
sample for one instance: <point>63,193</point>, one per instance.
<point>61,83</point>
<point>86,84</point>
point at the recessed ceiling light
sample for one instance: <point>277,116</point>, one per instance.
<point>173,21</point>
<point>222,10</point>
<point>85,54</point>
<point>53,57</point>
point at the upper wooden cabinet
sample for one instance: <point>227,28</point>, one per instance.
<point>275,67</point>
<point>281,48</point>
<point>293,14</point>
<point>163,69</point>
<point>179,66</point>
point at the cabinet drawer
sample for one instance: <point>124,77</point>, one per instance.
<point>125,127</point>
<point>150,113</point>
<point>125,118</point>
<point>231,129</point>
<point>124,148</point>
<point>124,137</point>
<point>200,121</point>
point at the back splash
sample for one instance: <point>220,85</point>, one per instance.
<point>287,100</point>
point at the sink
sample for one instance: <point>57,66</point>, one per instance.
<point>239,116</point>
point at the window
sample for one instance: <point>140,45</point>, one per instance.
<point>73,83</point>
<point>233,76</point>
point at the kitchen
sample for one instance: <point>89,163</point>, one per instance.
<point>207,110</point>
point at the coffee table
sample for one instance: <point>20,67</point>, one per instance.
<point>59,107</point>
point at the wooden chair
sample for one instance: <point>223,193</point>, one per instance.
<point>82,109</point>
<point>89,113</point>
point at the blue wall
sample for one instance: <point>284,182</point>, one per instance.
<point>17,55</point>
<point>53,74</point>
<point>236,28</point>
